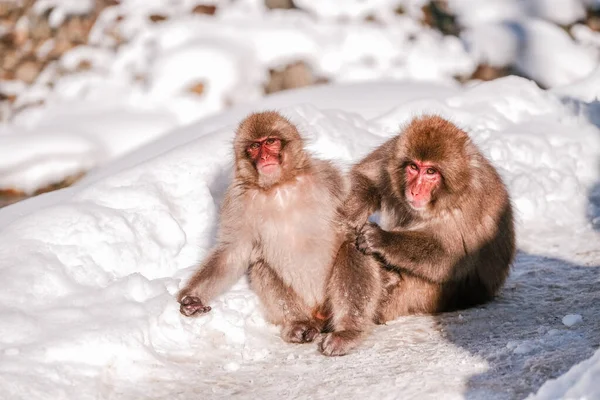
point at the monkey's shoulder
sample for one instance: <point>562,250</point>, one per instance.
<point>374,165</point>
<point>326,170</point>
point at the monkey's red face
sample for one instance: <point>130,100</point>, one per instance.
<point>265,154</point>
<point>422,179</point>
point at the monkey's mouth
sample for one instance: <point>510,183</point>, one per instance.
<point>418,205</point>
<point>268,167</point>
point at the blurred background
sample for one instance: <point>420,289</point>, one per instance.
<point>83,82</point>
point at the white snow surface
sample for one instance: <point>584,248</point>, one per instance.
<point>89,273</point>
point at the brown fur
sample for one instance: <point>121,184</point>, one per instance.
<point>454,254</point>
<point>354,292</point>
<point>284,231</point>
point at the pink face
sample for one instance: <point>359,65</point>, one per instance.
<point>265,154</point>
<point>422,178</point>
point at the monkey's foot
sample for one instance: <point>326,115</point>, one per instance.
<point>299,332</point>
<point>339,343</point>
<point>378,319</point>
<point>191,305</point>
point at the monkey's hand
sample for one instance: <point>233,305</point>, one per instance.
<point>191,305</point>
<point>370,239</point>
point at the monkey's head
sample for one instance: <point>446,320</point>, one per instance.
<point>431,163</point>
<point>268,150</point>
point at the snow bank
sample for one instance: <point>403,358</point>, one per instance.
<point>66,141</point>
<point>90,272</point>
<point>581,382</point>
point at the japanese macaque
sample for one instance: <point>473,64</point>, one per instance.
<point>446,233</point>
<point>280,224</point>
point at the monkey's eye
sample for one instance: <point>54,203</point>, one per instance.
<point>270,141</point>
<point>430,171</point>
<point>254,146</point>
<point>413,167</point>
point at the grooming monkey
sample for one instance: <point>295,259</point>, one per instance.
<point>446,236</point>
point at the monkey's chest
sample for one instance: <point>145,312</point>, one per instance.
<point>297,243</point>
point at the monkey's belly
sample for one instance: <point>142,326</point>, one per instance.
<point>301,259</point>
<point>295,229</point>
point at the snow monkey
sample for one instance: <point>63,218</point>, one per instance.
<point>446,236</point>
<point>280,224</point>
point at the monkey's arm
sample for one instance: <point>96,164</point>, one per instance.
<point>414,252</point>
<point>362,201</point>
<point>221,269</point>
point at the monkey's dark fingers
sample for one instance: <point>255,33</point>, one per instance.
<point>299,332</point>
<point>362,244</point>
<point>191,305</point>
<point>369,238</point>
<point>339,343</point>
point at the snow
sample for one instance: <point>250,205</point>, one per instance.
<point>581,382</point>
<point>572,319</point>
<point>61,9</point>
<point>559,64</point>
<point>563,12</point>
<point>507,32</point>
<point>87,308</point>
<point>90,272</point>
<point>473,12</point>
<point>69,141</point>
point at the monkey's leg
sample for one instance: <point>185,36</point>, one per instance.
<point>408,295</point>
<point>354,292</point>
<point>282,305</point>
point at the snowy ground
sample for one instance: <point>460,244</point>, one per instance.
<point>87,308</point>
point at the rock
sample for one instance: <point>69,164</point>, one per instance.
<point>84,65</point>
<point>593,19</point>
<point>40,29</point>
<point>28,71</point>
<point>204,9</point>
<point>10,60</point>
<point>10,196</point>
<point>437,15</point>
<point>292,76</point>
<point>285,4</point>
<point>7,97</point>
<point>486,72</point>
<point>68,181</point>
<point>198,88</point>
<point>157,18</point>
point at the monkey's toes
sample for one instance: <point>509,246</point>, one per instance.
<point>191,305</point>
<point>363,245</point>
<point>339,343</point>
<point>310,334</point>
<point>300,332</point>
